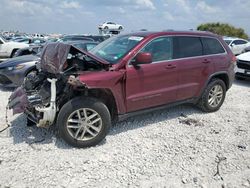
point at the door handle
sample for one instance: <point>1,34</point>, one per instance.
<point>206,61</point>
<point>170,66</point>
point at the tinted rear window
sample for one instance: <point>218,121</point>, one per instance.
<point>212,46</point>
<point>185,46</point>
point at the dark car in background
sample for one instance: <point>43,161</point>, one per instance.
<point>67,38</point>
<point>94,38</point>
<point>29,50</point>
<point>13,71</point>
<point>98,38</point>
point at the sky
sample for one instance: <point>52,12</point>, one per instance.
<point>83,16</point>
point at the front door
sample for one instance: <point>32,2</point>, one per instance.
<point>150,85</point>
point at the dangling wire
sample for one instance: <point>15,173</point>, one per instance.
<point>6,120</point>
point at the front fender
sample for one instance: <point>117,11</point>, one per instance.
<point>112,80</point>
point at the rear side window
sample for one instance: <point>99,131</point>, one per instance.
<point>185,46</point>
<point>212,46</point>
<point>239,42</point>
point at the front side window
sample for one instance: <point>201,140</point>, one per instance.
<point>185,46</point>
<point>212,46</point>
<point>115,48</point>
<point>161,49</point>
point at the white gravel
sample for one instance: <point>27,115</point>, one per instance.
<point>163,148</point>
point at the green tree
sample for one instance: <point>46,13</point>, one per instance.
<point>223,29</point>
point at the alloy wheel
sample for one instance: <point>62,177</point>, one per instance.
<point>84,124</point>
<point>215,96</point>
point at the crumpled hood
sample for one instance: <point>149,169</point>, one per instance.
<point>54,56</point>
<point>244,56</point>
<point>19,60</point>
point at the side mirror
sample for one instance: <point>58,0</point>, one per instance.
<point>142,58</point>
<point>232,45</point>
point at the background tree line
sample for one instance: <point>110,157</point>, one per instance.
<point>223,29</point>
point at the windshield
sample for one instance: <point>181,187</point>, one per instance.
<point>228,41</point>
<point>115,48</point>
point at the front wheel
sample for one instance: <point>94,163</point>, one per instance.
<point>213,96</point>
<point>83,122</point>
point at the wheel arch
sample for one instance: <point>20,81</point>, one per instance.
<point>33,68</point>
<point>223,76</point>
<point>104,95</point>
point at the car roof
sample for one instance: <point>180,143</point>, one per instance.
<point>171,32</point>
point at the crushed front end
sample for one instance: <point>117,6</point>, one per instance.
<point>43,93</point>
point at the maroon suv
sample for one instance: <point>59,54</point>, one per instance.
<point>83,93</point>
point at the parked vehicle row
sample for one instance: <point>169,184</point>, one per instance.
<point>83,93</point>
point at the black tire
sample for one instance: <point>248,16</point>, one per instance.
<point>120,28</point>
<point>106,28</point>
<point>203,103</point>
<point>13,53</point>
<point>79,103</point>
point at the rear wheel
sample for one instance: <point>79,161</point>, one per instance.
<point>213,96</point>
<point>83,122</point>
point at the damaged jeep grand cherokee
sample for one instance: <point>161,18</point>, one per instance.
<point>82,93</point>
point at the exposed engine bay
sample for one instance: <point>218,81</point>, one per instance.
<point>43,92</point>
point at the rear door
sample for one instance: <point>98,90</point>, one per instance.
<point>154,84</point>
<point>194,68</point>
<point>217,53</point>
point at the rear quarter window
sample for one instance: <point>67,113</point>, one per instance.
<point>212,46</point>
<point>185,46</point>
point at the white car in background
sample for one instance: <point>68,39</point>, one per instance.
<point>242,69</point>
<point>237,45</point>
<point>8,48</point>
<point>110,26</point>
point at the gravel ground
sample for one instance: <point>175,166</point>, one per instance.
<point>176,147</point>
